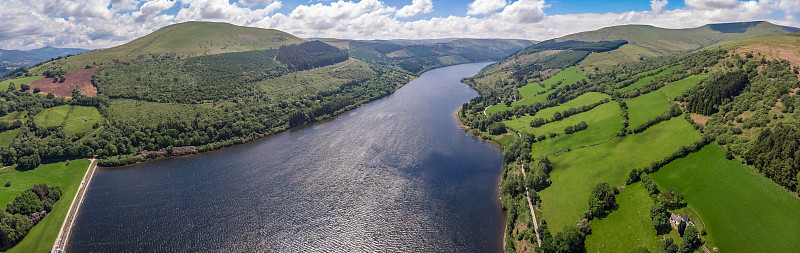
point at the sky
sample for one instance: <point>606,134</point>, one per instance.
<point>93,24</point>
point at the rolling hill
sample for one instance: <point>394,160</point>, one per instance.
<point>186,39</point>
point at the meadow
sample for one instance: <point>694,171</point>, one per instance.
<point>523,123</point>
<point>627,228</point>
<point>76,119</point>
<point>575,173</point>
<point>529,92</point>
<point>18,81</point>
<point>648,106</point>
<point>68,177</point>
<point>604,121</point>
<point>743,211</point>
<point>648,79</point>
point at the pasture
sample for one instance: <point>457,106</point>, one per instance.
<point>742,210</point>
<point>627,228</point>
<point>76,119</point>
<point>648,79</point>
<point>604,121</point>
<point>18,81</point>
<point>68,177</point>
<point>575,173</point>
<point>648,106</point>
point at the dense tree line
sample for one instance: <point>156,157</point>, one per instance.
<point>602,200</point>
<point>776,154</point>
<point>596,47</point>
<point>24,212</point>
<point>309,55</point>
<point>719,87</point>
<point>576,128</point>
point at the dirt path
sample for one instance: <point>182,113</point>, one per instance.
<point>533,214</point>
<point>69,220</point>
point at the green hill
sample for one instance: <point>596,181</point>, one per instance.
<point>180,40</point>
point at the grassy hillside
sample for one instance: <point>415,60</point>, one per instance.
<point>180,40</point>
<point>650,41</point>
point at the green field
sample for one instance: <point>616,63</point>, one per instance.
<point>604,121</point>
<point>42,236</point>
<point>523,123</point>
<point>567,76</point>
<point>18,81</point>
<point>646,80</point>
<point>530,89</point>
<point>627,228</point>
<point>15,116</point>
<point>648,106</point>
<point>575,173</point>
<point>6,137</point>
<point>76,119</point>
<point>743,211</point>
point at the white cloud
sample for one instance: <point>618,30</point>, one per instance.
<point>417,7</point>
<point>523,11</point>
<point>712,4</point>
<point>658,5</point>
<point>485,7</point>
<point>61,23</point>
<point>255,2</point>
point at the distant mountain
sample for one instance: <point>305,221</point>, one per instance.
<point>33,56</point>
<point>12,59</point>
<point>181,40</point>
<point>650,41</point>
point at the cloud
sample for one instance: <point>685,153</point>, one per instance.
<point>416,8</point>
<point>658,5</point>
<point>712,4</point>
<point>107,23</point>
<point>254,2</point>
<point>485,7</point>
<point>523,11</point>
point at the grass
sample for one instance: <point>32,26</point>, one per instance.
<point>6,137</point>
<point>648,79</point>
<point>15,116</point>
<point>576,172</point>
<point>604,121</point>
<point>506,139</point>
<point>648,106</point>
<point>567,76</point>
<point>743,211</point>
<point>627,228</point>
<point>523,123</point>
<point>68,177</point>
<point>51,117</point>
<point>18,81</point>
<point>81,118</point>
<point>76,119</point>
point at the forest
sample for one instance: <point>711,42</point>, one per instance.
<point>309,55</point>
<point>24,212</point>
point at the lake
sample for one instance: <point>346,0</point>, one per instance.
<point>397,174</point>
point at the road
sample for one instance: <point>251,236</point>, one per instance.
<point>533,214</point>
<point>69,220</point>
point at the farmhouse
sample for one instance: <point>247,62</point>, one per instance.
<point>675,220</point>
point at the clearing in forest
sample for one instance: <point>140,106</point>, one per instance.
<point>82,78</point>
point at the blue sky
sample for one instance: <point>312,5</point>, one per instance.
<point>106,23</point>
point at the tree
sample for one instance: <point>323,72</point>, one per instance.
<point>24,87</point>
<point>569,240</point>
<point>37,90</point>
<point>660,217</point>
<point>602,199</point>
<point>25,203</point>
<point>12,228</point>
<point>669,246</point>
<point>690,240</point>
<point>633,176</point>
<point>681,227</point>
<point>547,238</point>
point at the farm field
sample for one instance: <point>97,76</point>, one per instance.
<point>68,177</point>
<point>627,228</point>
<point>743,211</point>
<point>648,106</point>
<point>604,121</point>
<point>17,81</point>
<point>76,119</point>
<point>575,173</point>
<point>523,123</point>
<point>648,79</point>
<point>6,137</point>
<point>567,76</point>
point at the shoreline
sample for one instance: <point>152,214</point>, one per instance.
<point>69,220</point>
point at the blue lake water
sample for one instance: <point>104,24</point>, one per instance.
<point>397,174</point>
